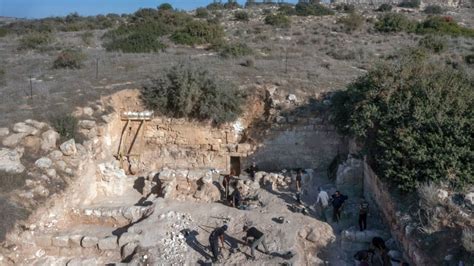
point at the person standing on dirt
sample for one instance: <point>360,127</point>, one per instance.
<point>237,198</point>
<point>226,183</point>
<point>214,237</point>
<point>322,202</point>
<point>299,175</point>
<point>252,170</point>
<point>337,203</point>
<point>258,238</point>
<point>363,211</point>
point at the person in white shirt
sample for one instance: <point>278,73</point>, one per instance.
<point>322,202</point>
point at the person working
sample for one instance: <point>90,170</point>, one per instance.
<point>337,203</point>
<point>322,202</point>
<point>258,238</point>
<point>214,237</point>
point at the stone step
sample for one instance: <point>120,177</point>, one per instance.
<point>111,215</point>
<point>87,236</point>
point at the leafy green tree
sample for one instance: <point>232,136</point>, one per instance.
<point>415,118</point>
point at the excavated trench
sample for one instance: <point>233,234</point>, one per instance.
<point>149,192</point>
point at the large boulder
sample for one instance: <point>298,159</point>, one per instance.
<point>112,180</point>
<point>69,147</point>
<point>13,140</point>
<point>10,161</point>
<point>36,124</point>
<point>44,163</point>
<point>49,139</point>
<point>4,131</point>
<point>24,128</point>
<point>86,124</point>
<point>469,199</point>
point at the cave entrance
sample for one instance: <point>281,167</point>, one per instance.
<point>235,165</point>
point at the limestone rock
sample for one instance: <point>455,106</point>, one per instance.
<point>49,139</point>
<point>442,194</point>
<point>89,241</point>
<point>36,124</point>
<point>167,175</point>
<point>33,143</point>
<point>51,173</point>
<point>61,165</point>
<point>10,161</point>
<point>86,124</point>
<point>55,155</point>
<point>24,128</point>
<point>41,191</point>
<point>44,163</point>
<point>291,98</point>
<point>13,140</point>
<point>207,179</point>
<point>69,147</point>
<point>61,241</point>
<point>43,240</point>
<point>4,131</point>
<point>469,199</point>
<point>108,243</point>
<point>129,249</point>
<point>127,238</point>
<point>88,111</point>
<point>76,240</point>
<point>113,180</point>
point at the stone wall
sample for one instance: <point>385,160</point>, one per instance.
<point>377,193</point>
<point>308,144</point>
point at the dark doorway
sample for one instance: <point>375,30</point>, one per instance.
<point>235,165</point>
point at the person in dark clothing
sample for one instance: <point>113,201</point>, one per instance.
<point>363,211</point>
<point>236,198</point>
<point>380,253</point>
<point>258,238</point>
<point>214,237</point>
<point>298,180</point>
<point>252,170</point>
<point>226,183</point>
<point>337,203</point>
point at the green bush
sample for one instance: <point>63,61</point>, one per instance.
<point>394,22</point>
<point>443,25</point>
<point>415,119</point>
<point>193,93</point>
<point>410,3</point>
<point>2,77</point>
<point>352,22</point>
<point>312,9</point>
<point>215,6</point>
<point>35,40</point>
<point>241,16</point>
<point>288,10</point>
<point>86,37</point>
<point>202,12</point>
<point>433,43</point>
<point>433,10</point>
<point>66,126</point>
<point>235,50</point>
<point>232,4</point>
<point>139,42</point>
<point>198,32</point>
<point>469,59</point>
<point>3,32</point>
<point>384,8</point>
<point>278,20</point>
<point>165,6</point>
<point>346,8</point>
<point>69,58</point>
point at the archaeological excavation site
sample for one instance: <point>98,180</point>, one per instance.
<point>258,133</point>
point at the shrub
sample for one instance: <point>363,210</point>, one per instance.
<point>312,9</point>
<point>443,25</point>
<point>232,4</point>
<point>69,59</point>
<point>66,126</point>
<point>202,12</point>
<point>193,93</point>
<point>288,10</point>
<point>2,77</point>
<point>215,6</point>
<point>35,40</point>
<point>352,22</point>
<point>241,16</point>
<point>433,43</point>
<point>3,32</point>
<point>415,120</point>
<point>346,8</point>
<point>410,3</point>
<point>384,8</point>
<point>86,37</point>
<point>278,20</point>
<point>198,32</point>
<point>235,50</point>
<point>433,10</point>
<point>469,59</point>
<point>165,6</point>
<point>139,42</point>
<point>394,22</point>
